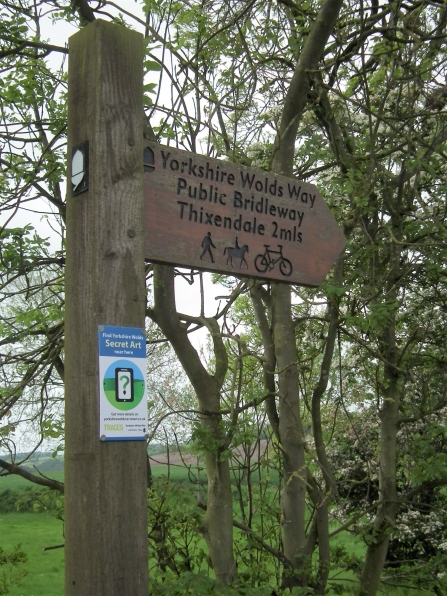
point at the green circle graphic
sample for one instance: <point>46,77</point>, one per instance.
<point>110,387</point>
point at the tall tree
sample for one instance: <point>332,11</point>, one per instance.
<point>350,97</point>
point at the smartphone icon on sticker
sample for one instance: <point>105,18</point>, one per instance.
<point>124,384</point>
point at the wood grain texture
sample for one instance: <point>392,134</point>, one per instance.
<point>194,202</point>
<point>105,504</point>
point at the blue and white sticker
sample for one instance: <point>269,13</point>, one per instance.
<point>122,383</point>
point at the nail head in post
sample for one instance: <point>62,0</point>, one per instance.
<point>79,168</point>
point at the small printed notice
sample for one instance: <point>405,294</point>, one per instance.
<point>122,383</point>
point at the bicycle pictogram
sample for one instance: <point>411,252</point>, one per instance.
<point>267,261</point>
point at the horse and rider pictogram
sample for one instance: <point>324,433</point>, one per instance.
<point>236,252</point>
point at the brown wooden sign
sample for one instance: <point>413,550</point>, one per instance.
<point>215,215</point>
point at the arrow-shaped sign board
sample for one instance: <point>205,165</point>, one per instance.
<point>219,216</point>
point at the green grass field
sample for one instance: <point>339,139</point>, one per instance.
<point>14,482</point>
<point>45,569</point>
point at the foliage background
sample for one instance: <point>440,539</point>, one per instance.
<point>369,344</point>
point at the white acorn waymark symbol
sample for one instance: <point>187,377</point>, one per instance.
<point>77,169</point>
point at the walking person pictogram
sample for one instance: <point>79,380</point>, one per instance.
<point>207,243</point>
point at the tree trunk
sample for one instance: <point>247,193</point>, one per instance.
<point>218,523</point>
<point>389,414</point>
<point>269,363</point>
<point>292,437</point>
<point>289,427</point>
<point>388,506</point>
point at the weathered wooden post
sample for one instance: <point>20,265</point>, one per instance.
<point>105,503</point>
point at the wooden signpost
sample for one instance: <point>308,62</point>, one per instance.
<point>106,547</point>
<point>190,210</point>
<point>219,216</point>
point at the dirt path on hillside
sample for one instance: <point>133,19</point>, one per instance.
<point>186,460</point>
